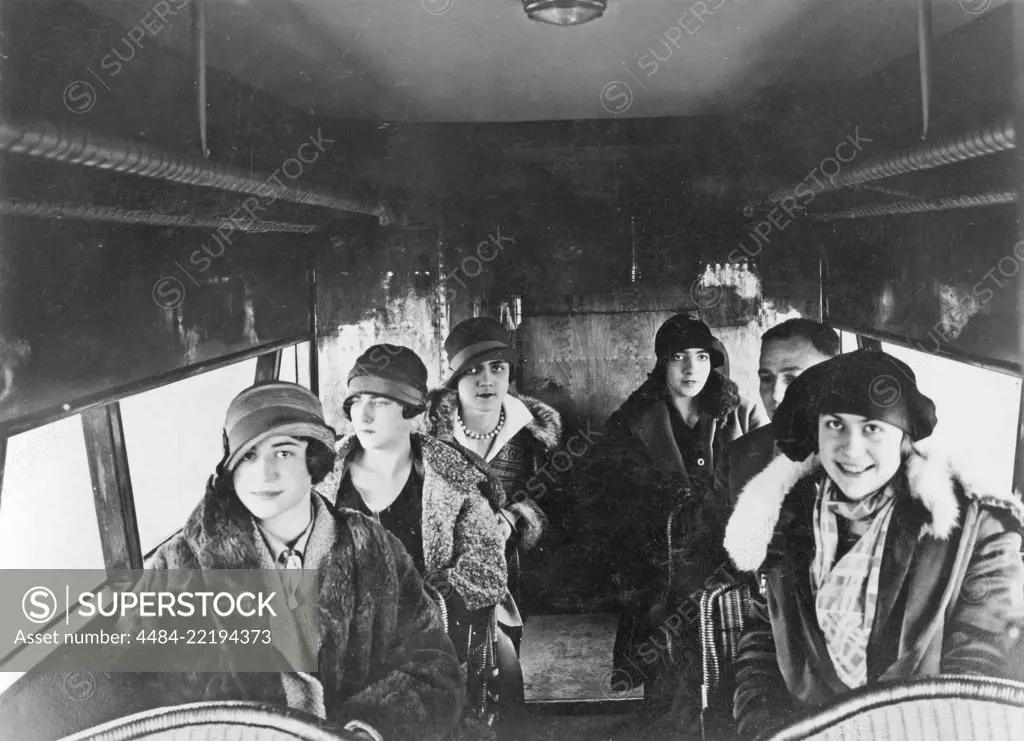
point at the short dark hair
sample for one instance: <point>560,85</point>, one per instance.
<point>319,463</point>
<point>824,339</point>
<point>319,460</point>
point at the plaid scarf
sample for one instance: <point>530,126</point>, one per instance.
<point>846,591</point>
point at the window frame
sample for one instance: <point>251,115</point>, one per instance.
<point>107,453</point>
<point>873,340</point>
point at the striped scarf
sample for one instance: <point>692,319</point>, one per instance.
<point>846,591</point>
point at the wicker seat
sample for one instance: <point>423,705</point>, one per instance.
<point>476,645</point>
<point>210,721</point>
<point>723,612</point>
<point>953,708</point>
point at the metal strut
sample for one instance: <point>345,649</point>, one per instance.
<point>997,137</point>
<point>152,218</point>
<point>946,203</point>
<point>199,32</point>
<point>924,51</point>
<point>134,158</point>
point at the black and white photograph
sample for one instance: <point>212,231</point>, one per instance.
<point>511,370</point>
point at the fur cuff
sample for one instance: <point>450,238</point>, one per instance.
<point>531,524</point>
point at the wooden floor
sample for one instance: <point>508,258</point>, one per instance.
<point>568,658</point>
<point>544,727</point>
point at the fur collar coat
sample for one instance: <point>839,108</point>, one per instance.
<point>384,656</point>
<point>539,429</point>
<point>951,572</point>
<point>463,545</point>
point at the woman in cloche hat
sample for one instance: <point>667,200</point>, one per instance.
<point>656,465</point>
<point>880,558</point>
<point>514,435</point>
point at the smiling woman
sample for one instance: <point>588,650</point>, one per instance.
<point>869,537</point>
<point>532,437</point>
<point>260,512</point>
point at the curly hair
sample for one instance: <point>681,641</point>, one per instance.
<point>717,399</point>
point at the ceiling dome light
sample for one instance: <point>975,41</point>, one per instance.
<point>564,12</point>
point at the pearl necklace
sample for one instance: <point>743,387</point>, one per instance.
<point>481,435</point>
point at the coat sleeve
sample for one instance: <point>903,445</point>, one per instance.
<point>418,692</point>
<point>546,484</point>
<point>762,704</point>
<point>478,572</point>
<point>976,639</point>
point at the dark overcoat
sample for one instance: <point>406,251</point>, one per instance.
<point>950,574</point>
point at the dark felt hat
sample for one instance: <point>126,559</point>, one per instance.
<point>869,383</point>
<point>393,371</point>
<point>272,408</point>
<point>475,341</point>
<point>683,332</point>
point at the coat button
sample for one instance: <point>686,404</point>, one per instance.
<point>700,461</point>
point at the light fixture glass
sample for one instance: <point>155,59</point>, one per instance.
<point>564,12</point>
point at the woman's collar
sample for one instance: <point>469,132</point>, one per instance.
<point>517,416</point>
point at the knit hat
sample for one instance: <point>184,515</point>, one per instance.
<point>869,383</point>
<point>272,408</point>
<point>477,341</point>
<point>683,332</point>
<point>393,371</point>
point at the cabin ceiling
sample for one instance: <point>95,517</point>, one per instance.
<point>484,61</point>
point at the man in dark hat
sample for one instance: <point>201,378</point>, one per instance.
<point>882,557</point>
<point>787,350</point>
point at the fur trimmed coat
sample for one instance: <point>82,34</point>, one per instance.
<point>540,438</point>
<point>951,572</point>
<point>384,656</point>
<point>463,545</point>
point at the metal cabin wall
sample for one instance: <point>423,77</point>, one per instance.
<point>553,214</point>
<point>1018,26</point>
<point>375,285</point>
<point>938,282</point>
<point>91,310</point>
<point>606,283</point>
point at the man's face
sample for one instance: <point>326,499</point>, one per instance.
<point>273,478</point>
<point>780,364</point>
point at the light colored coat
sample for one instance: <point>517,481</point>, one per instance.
<point>544,427</point>
<point>462,542</point>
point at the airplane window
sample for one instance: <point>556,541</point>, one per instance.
<point>847,341</point>
<point>977,408</point>
<point>295,364</point>
<point>47,514</point>
<point>174,439</point>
